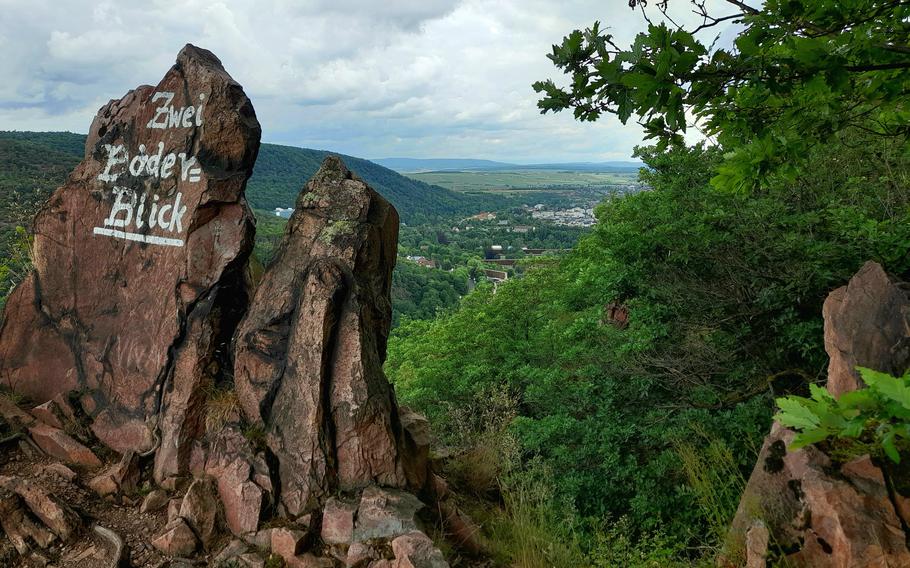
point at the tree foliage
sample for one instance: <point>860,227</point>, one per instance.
<point>799,74</point>
<point>419,292</point>
<point>724,294</point>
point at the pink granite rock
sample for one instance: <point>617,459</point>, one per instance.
<point>137,258</point>
<point>59,444</point>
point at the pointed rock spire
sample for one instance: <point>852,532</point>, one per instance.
<point>133,257</point>
<point>309,353</point>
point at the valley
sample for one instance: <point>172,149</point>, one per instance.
<point>459,228</point>
<point>510,182</point>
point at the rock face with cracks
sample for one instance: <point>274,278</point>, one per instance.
<point>804,508</point>
<point>867,325</point>
<point>309,352</point>
<point>231,402</point>
<point>138,262</point>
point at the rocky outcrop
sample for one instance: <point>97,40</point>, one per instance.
<point>816,517</point>
<point>805,508</point>
<point>138,262</point>
<point>252,408</point>
<point>379,514</point>
<point>242,479</point>
<point>867,324</point>
<point>34,519</point>
<point>309,353</point>
<point>385,513</point>
<point>19,526</point>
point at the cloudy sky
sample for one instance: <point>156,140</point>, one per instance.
<point>370,78</point>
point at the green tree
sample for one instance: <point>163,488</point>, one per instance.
<point>800,73</point>
<point>724,294</point>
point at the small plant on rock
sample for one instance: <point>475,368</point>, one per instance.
<point>875,419</point>
<point>222,406</point>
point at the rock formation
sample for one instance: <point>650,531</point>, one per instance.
<point>138,260</point>
<point>806,508</point>
<point>309,353</point>
<point>138,320</point>
<point>867,324</point>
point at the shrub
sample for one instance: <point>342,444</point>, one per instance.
<point>872,420</point>
<point>221,407</point>
<point>724,295</point>
<point>614,545</point>
<point>534,529</point>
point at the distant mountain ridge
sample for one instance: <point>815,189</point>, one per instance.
<point>438,164</point>
<point>281,171</point>
<point>414,165</point>
<point>32,164</point>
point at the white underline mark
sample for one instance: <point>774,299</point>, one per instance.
<point>150,239</point>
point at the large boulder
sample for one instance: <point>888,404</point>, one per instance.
<point>867,324</point>
<point>818,512</point>
<point>805,506</point>
<point>242,480</point>
<point>416,550</point>
<point>385,514</point>
<point>309,352</point>
<point>138,262</point>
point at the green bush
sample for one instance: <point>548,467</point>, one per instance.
<point>724,295</point>
<point>615,545</point>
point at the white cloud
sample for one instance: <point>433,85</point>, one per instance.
<point>431,78</point>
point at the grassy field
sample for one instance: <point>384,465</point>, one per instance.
<point>512,180</point>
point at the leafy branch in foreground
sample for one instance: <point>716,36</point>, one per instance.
<point>797,75</point>
<point>878,415</point>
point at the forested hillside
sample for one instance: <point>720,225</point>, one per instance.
<point>606,409</point>
<point>281,170</point>
<point>34,163</point>
<point>723,295</point>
